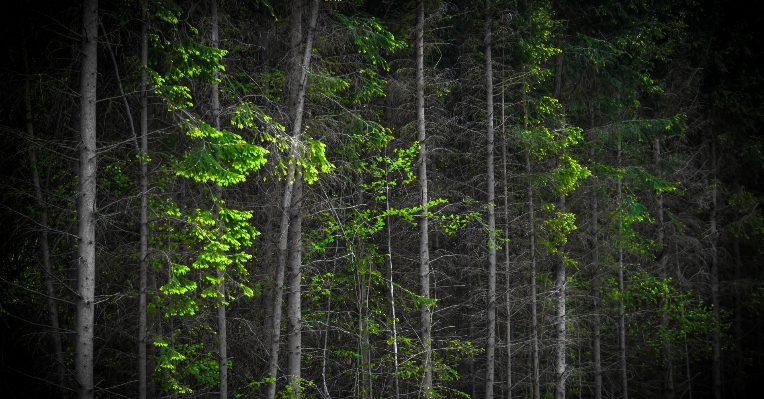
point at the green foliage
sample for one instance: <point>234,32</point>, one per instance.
<point>371,38</point>
<point>688,318</point>
<point>220,157</point>
<point>313,159</point>
<point>180,365</point>
<point>173,65</point>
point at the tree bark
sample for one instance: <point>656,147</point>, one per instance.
<point>297,102</point>
<point>294,309</point>
<point>86,204</point>
<point>424,246</point>
<point>621,310</point>
<point>713,236</point>
<point>44,244</point>
<point>535,383</point>
<point>668,377</point>
<point>560,366</point>
<point>218,192</point>
<point>505,148</point>
<point>491,341</point>
<point>738,319</point>
<point>142,321</point>
<point>595,292</point>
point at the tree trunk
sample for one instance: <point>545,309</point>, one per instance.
<point>297,101</point>
<point>532,235</point>
<point>491,342</point>
<point>44,245</point>
<point>713,236</point>
<point>86,203</point>
<point>294,309</point>
<point>621,310</point>
<point>595,292</point>
<point>142,321</point>
<point>396,365</point>
<point>668,378</point>
<point>424,249</point>
<point>738,319</point>
<point>506,247</point>
<point>218,192</point>
<point>560,366</point>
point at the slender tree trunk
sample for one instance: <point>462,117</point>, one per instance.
<point>560,365</point>
<point>505,148</point>
<point>621,310</point>
<point>738,319</point>
<point>44,245</point>
<point>535,382</point>
<point>299,82</point>
<point>86,204</point>
<point>424,246</point>
<point>713,235</point>
<point>595,292</point>
<point>473,380</point>
<point>491,344</point>
<point>396,383</point>
<point>218,192</point>
<point>668,378</point>
<point>142,321</point>
<point>294,309</point>
<point>686,347</point>
<point>391,277</point>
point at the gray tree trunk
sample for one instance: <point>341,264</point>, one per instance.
<point>218,191</point>
<point>560,366</point>
<point>738,319</point>
<point>297,101</point>
<point>294,309</point>
<point>86,204</point>
<point>424,246</point>
<point>535,381</point>
<point>491,314</point>
<point>668,377</point>
<point>142,321</point>
<point>506,247</point>
<point>713,236</point>
<point>44,244</point>
<point>621,310</point>
<point>595,292</point>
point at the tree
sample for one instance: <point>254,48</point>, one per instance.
<point>86,204</point>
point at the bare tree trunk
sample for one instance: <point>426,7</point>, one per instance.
<point>424,249</point>
<point>668,377</point>
<point>44,245</point>
<point>86,203</point>
<point>595,292</point>
<point>506,247</point>
<point>535,383</point>
<point>738,318</point>
<point>142,321</point>
<point>294,309</point>
<point>621,310</point>
<point>491,342</point>
<point>299,82</point>
<point>688,375</point>
<point>218,192</point>
<point>396,380</point>
<point>560,366</point>
<point>713,235</point>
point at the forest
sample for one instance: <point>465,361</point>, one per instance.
<point>382,199</point>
